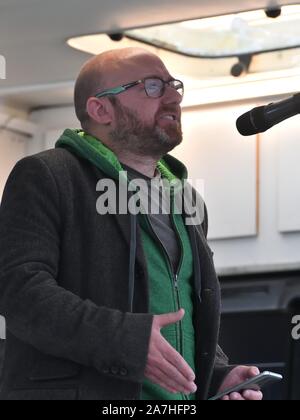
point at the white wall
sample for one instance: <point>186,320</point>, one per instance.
<point>216,153</point>
<point>13,147</point>
<point>15,139</point>
<point>277,243</point>
<point>251,188</point>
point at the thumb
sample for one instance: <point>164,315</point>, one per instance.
<point>171,318</point>
<point>253,371</point>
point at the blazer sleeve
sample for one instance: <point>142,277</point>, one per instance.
<point>221,367</point>
<point>221,370</point>
<point>37,310</point>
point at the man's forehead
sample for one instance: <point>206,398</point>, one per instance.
<point>133,68</point>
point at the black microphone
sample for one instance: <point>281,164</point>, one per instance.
<point>260,119</point>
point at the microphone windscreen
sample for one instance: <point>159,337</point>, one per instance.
<point>252,122</point>
<point>244,125</point>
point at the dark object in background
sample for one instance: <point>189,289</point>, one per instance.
<point>2,349</point>
<point>116,37</point>
<point>260,340</point>
<point>273,12</point>
<point>257,327</point>
<point>242,66</point>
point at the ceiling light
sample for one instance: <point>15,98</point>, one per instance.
<point>226,36</point>
<point>249,44</point>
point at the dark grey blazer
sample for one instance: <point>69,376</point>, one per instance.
<point>64,290</point>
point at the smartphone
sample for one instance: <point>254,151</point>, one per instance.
<point>256,383</point>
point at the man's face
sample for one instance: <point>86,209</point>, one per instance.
<point>141,124</point>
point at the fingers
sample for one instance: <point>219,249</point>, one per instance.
<point>165,366</point>
<point>156,380</point>
<point>167,382</point>
<point>171,318</point>
<point>179,380</point>
<point>167,374</point>
<point>235,396</point>
<point>176,360</point>
<point>253,371</point>
<point>246,396</point>
<point>169,370</point>
<point>253,395</point>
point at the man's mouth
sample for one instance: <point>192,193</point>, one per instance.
<point>170,117</point>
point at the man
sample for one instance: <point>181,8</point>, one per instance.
<point>80,323</point>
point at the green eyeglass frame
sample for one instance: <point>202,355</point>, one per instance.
<point>154,87</point>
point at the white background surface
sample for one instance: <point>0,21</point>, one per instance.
<point>13,147</point>
<point>214,151</point>
<point>287,135</point>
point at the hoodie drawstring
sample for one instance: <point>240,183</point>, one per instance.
<point>131,281</point>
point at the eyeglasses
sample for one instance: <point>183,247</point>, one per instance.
<point>154,87</point>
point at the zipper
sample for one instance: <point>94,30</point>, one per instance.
<point>178,307</point>
<point>176,275</point>
<point>185,397</point>
<point>175,280</point>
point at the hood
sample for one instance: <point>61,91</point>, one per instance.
<point>84,145</point>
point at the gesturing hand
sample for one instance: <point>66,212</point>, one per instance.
<point>165,366</point>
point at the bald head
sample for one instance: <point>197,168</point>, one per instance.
<point>102,72</point>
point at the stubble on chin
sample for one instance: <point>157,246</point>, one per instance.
<point>169,140</point>
<point>155,143</point>
<point>133,136</point>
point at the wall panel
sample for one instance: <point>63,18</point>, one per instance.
<point>214,151</point>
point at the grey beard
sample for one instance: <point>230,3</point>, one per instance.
<point>158,144</point>
<point>135,137</point>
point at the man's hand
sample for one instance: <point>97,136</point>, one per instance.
<point>165,366</point>
<point>235,377</point>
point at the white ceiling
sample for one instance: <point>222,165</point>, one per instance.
<point>41,67</point>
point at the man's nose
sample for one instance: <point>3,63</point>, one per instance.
<point>171,96</point>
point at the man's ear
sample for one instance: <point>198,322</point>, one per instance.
<point>99,110</point>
